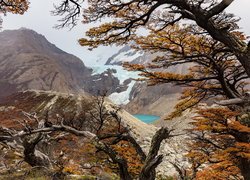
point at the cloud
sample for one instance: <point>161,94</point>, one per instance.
<point>39,19</point>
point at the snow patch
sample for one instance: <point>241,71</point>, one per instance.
<point>99,79</point>
<point>122,97</point>
<point>122,75</point>
<point>127,56</point>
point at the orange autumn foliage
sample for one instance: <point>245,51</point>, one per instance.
<point>216,146</point>
<point>14,6</point>
<point>125,150</point>
<point>214,74</point>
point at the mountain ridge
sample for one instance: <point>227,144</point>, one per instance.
<point>29,61</point>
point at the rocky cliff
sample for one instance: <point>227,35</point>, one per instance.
<point>157,100</point>
<point>106,83</point>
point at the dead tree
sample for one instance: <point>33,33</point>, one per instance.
<point>29,137</point>
<point>103,140</point>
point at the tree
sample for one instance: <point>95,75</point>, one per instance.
<point>221,136</point>
<point>106,131</point>
<point>218,75</point>
<point>70,11</point>
<point>214,71</point>
<point>220,53</point>
<point>221,144</point>
<point>210,20</point>
<point>129,16</point>
<point>13,6</point>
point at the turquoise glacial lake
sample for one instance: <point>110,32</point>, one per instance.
<point>146,118</point>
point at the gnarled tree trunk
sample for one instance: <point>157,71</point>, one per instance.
<point>32,156</point>
<point>153,159</point>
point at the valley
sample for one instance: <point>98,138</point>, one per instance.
<point>97,122</point>
<point>124,90</point>
<point>40,65</point>
<point>41,79</point>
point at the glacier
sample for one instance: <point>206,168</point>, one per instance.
<point>122,74</point>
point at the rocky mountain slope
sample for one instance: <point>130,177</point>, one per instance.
<point>29,61</point>
<point>70,105</point>
<point>66,104</point>
<point>157,100</point>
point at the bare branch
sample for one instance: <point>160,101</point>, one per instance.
<point>232,102</point>
<point>218,8</point>
<point>70,10</point>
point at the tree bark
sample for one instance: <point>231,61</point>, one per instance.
<point>204,19</point>
<point>244,166</point>
<point>244,59</point>
<point>148,171</point>
<point>31,155</point>
<point>240,48</point>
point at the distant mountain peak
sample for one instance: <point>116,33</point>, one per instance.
<point>24,29</point>
<point>131,55</point>
<point>33,41</point>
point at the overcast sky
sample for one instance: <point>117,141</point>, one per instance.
<point>39,19</point>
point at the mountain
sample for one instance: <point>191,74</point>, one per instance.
<point>156,100</point>
<point>128,54</point>
<point>143,99</point>
<point>29,61</point>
